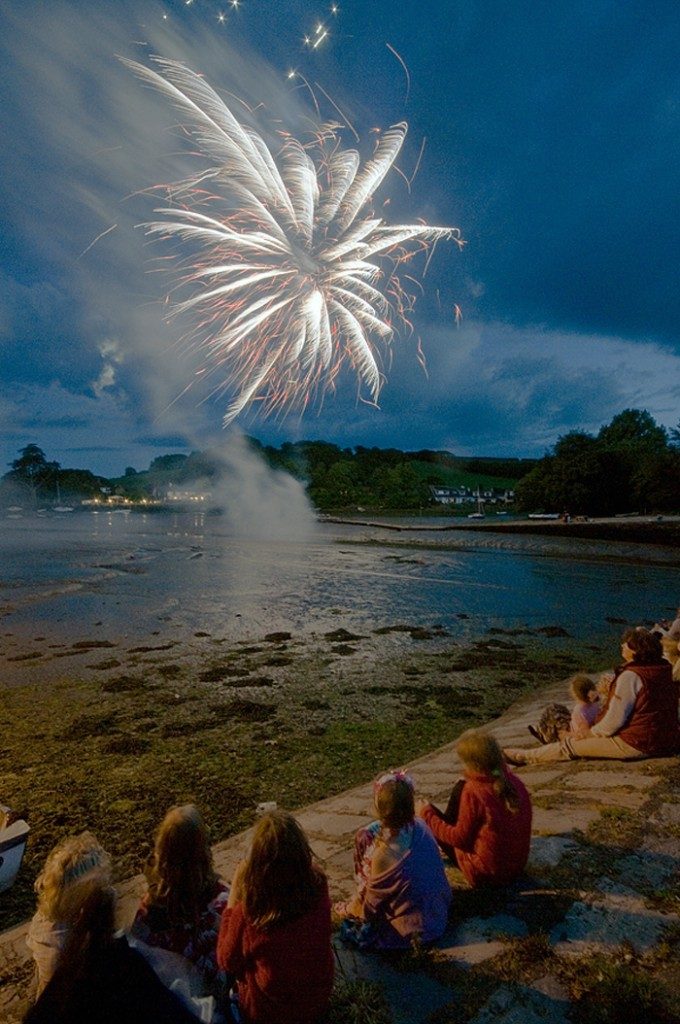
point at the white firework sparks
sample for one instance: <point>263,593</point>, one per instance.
<point>282,279</point>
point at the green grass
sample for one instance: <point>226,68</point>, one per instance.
<point>358,1002</point>
<point>460,478</point>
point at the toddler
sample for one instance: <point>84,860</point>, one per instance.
<point>557,722</point>
<point>587,706</point>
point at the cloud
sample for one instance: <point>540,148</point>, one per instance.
<point>559,179</point>
<point>495,390</point>
<point>71,426</point>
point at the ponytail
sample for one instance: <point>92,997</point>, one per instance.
<point>504,789</point>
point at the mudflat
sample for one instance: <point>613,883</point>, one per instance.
<point>105,733</point>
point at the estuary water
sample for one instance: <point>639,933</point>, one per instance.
<point>132,575</point>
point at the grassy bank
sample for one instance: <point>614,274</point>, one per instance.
<point>111,744</point>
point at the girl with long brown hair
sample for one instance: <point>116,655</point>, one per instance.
<point>486,828</point>
<point>276,930</point>
<point>182,908</point>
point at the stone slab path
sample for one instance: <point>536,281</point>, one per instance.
<point>597,911</point>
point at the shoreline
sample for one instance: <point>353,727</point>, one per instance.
<point>114,737</point>
<point>633,530</point>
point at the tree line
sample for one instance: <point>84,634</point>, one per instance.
<point>335,478</point>
<point>631,465</point>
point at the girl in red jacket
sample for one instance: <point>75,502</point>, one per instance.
<point>486,828</point>
<point>275,934</point>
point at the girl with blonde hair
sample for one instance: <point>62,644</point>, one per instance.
<point>183,905</point>
<point>276,930</point>
<point>402,890</point>
<point>99,978</point>
<point>74,863</point>
<point>486,828</point>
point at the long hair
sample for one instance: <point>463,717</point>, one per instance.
<point>74,861</point>
<point>645,645</point>
<point>280,880</point>
<point>479,751</point>
<point>181,877</point>
<point>89,910</point>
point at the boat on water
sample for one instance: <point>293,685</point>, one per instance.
<point>59,507</point>
<point>543,515</point>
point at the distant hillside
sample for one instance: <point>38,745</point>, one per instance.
<point>336,478</point>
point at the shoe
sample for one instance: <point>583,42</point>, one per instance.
<point>513,756</point>
<point>535,733</point>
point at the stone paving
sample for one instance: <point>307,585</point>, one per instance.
<point>569,797</point>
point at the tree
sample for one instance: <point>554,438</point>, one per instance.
<point>634,431</point>
<point>166,463</point>
<point>675,435</point>
<point>32,470</point>
<point>30,464</point>
<point>656,483</point>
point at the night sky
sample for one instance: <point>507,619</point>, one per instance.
<point>551,142</point>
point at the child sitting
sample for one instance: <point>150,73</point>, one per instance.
<point>182,908</point>
<point>486,829</point>
<point>587,707</point>
<point>98,977</point>
<point>74,863</point>
<point>557,722</point>
<point>672,655</point>
<point>403,892</point>
<point>275,935</point>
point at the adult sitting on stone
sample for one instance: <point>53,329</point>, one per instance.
<point>641,713</point>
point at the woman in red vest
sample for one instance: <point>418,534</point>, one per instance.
<point>640,718</point>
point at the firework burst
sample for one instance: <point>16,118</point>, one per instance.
<point>281,275</point>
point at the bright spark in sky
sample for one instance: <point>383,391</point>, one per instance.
<point>281,257</point>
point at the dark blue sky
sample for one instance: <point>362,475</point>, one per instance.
<point>552,142</point>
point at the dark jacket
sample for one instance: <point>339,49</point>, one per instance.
<point>115,987</point>
<point>653,725</point>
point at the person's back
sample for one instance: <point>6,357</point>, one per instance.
<point>653,725</point>
<point>99,979</point>
<point>182,908</point>
<point>486,829</point>
<point>275,935</point>
<point>285,971</point>
<point>408,897</point>
<point>499,850</point>
<point>74,865</point>
<point>116,987</point>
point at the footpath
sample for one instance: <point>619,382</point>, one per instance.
<point>591,934</point>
